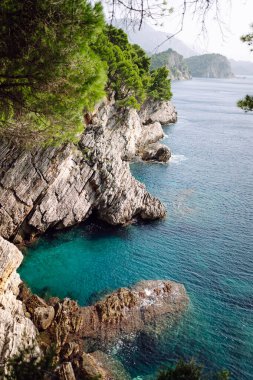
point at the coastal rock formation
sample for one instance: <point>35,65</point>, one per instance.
<point>59,187</point>
<point>156,152</point>
<point>163,112</point>
<point>16,329</point>
<point>26,319</point>
<point>128,311</point>
<point>123,313</point>
<point>178,69</point>
<point>209,66</point>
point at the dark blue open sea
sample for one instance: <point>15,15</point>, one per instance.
<point>205,242</point>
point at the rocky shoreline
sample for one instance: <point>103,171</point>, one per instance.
<point>80,333</point>
<point>60,187</point>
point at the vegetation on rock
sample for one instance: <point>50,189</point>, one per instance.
<point>27,364</point>
<point>209,66</point>
<point>247,103</point>
<point>173,61</point>
<point>54,62</point>
<point>129,76</point>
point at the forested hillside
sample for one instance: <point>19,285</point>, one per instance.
<point>57,61</point>
<point>174,62</point>
<point>209,66</point>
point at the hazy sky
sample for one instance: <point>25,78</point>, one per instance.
<point>235,19</point>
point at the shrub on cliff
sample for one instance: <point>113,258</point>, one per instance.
<point>27,365</point>
<point>48,71</point>
<point>128,69</point>
<point>189,371</point>
<point>57,58</point>
<point>247,103</point>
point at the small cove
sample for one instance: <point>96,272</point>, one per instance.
<point>205,242</point>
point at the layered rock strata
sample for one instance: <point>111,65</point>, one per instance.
<point>59,187</point>
<point>16,328</point>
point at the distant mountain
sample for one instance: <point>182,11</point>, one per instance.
<point>149,39</point>
<point>241,67</point>
<point>209,66</point>
<point>174,62</point>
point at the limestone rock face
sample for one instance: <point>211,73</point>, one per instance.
<point>151,133</point>
<point>156,152</point>
<point>153,111</point>
<point>16,330</point>
<point>59,187</point>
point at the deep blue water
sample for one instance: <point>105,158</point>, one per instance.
<point>205,242</point>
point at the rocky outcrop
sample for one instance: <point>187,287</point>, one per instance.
<point>78,332</point>
<point>178,69</point>
<point>123,313</point>
<point>16,329</point>
<point>156,152</point>
<point>209,66</point>
<point>59,187</point>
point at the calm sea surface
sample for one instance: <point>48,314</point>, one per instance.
<point>205,242</point>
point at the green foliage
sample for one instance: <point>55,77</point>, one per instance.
<point>246,104</point>
<point>57,58</point>
<point>248,38</point>
<point>160,88</point>
<point>178,69</point>
<point>189,371</point>
<point>209,66</point>
<point>182,370</point>
<point>129,77</point>
<point>27,365</point>
<point>48,71</point>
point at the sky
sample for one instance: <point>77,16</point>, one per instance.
<point>235,18</point>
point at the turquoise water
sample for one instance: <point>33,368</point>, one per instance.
<point>205,242</point>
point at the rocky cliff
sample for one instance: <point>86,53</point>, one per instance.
<point>59,187</point>
<point>79,333</point>
<point>16,329</point>
<point>209,66</point>
<point>175,62</point>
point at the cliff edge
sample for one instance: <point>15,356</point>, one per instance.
<point>59,187</point>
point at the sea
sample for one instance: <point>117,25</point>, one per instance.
<point>205,242</point>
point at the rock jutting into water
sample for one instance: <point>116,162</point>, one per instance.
<point>122,315</point>
<point>28,320</point>
<point>59,187</point>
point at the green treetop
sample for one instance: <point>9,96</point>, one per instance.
<point>48,72</point>
<point>57,60</point>
<point>129,76</point>
<point>247,103</point>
